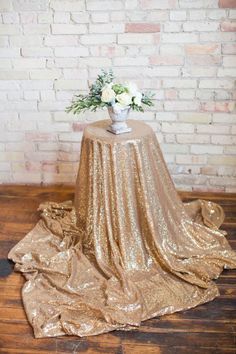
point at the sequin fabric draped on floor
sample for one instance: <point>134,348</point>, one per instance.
<point>126,249</point>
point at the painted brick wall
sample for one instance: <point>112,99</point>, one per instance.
<point>184,50</point>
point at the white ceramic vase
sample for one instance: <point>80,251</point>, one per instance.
<point>119,117</point>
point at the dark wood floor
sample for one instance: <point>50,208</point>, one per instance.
<point>208,328</point>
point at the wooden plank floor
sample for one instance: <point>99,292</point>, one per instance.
<point>208,328</point>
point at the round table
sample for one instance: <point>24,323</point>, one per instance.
<point>126,249</point>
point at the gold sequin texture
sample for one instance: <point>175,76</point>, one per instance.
<point>126,249</point>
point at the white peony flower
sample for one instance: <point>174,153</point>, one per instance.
<point>124,99</point>
<point>108,94</point>
<point>138,99</point>
<point>132,88</point>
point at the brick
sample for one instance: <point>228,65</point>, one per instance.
<point>29,41</point>
<point>223,139</point>
<point>131,4</point>
<point>142,27</point>
<point>206,149</point>
<point>101,5</point>
<point>171,94</point>
<point>229,61</point>
<point>222,160</point>
<point>36,52</point>
<point>217,37</point>
<point>166,116</point>
<point>198,71</point>
<point>171,49</point>
<point>200,26</point>
<point>100,17</point>
<point>224,118</point>
<point>4,41</point>
<point>70,85</point>
<point>212,129</point>
<point>47,95</point>
<point>186,94</point>
<point>179,83</point>
<point>161,71</point>
<point>36,29</point>
<point>58,5</point>
<point>181,105</point>
<point>126,61</point>
<point>174,148</point>
<point>46,17</point>
<point>36,84</point>
<point>98,39</point>
<point>30,5</point>
<point>227,3</point>
<point>152,16</point>
<point>218,106</point>
<point>191,159</point>
<point>178,15</point>
<point>9,52</point>
<point>198,4</point>
<point>97,62</point>
<point>28,17</point>
<point>45,74</point>
<point>158,5</point>
<point>31,95</point>
<point>177,128</point>
<point>232,14</point>
<point>196,15</point>
<point>228,26</point>
<point>9,85</point>
<point>133,38</point>
<point>216,84</point>
<point>179,37</point>
<point>217,14</point>
<point>166,60</point>
<point>192,139</point>
<point>226,72</point>
<point>172,27</point>
<point>69,29</point>
<point>61,17</point>
<point>80,74</point>
<point>118,16</point>
<point>10,17</point>
<point>28,63</point>
<point>5,6</point>
<point>202,49</point>
<point>195,117</point>
<point>107,28</point>
<point>9,29</point>
<point>78,51</point>
<point>71,137</point>
<point>51,105</point>
<point>204,60</point>
<point>61,41</point>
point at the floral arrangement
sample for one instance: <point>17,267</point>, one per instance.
<point>104,92</point>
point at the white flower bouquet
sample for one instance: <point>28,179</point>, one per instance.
<point>107,93</point>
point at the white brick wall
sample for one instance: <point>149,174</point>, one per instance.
<point>184,50</point>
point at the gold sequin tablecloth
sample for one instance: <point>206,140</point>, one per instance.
<point>126,249</point>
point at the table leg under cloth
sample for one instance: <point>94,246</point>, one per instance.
<point>126,249</point>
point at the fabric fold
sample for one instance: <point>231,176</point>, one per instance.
<point>126,248</point>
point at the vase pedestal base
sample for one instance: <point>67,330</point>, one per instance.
<point>118,131</point>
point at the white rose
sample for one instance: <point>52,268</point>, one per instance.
<point>108,94</point>
<point>138,99</point>
<point>132,88</point>
<point>124,99</point>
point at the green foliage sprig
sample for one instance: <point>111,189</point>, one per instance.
<point>94,99</point>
